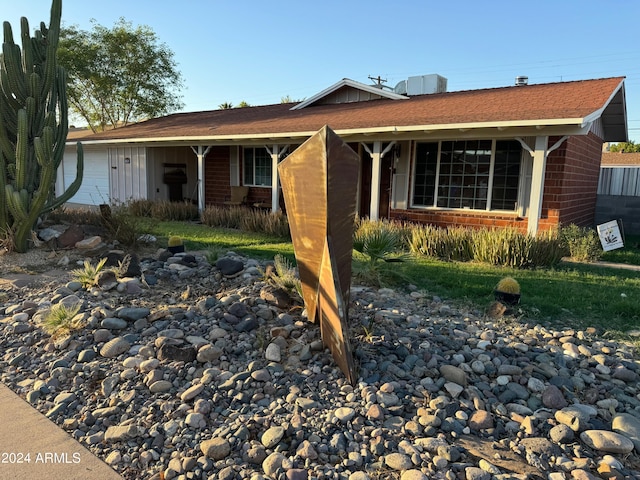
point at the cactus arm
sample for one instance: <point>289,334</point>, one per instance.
<point>33,127</point>
<point>21,150</point>
<point>72,189</point>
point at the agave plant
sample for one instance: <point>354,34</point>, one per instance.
<point>88,275</point>
<point>381,245</point>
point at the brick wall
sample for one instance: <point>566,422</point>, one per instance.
<point>571,181</point>
<point>216,176</point>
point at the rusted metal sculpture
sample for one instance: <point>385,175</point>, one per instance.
<point>319,183</point>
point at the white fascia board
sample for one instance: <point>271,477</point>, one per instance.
<point>598,113</point>
<point>208,138</point>
<point>346,82</point>
<point>466,126</point>
<point>280,136</point>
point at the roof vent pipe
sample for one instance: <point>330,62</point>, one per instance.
<point>522,80</point>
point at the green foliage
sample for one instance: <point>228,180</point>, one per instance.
<point>88,276</point>
<point>121,225</point>
<point>247,220</point>
<point>80,216</point>
<point>627,147</point>
<point>629,254</point>
<point>379,240</point>
<point>380,248</point>
<point>581,243</point>
<point>163,209</point>
<point>509,247</point>
<point>450,244</point>
<point>119,75</point>
<point>33,128</point>
<point>506,247</point>
<point>286,276</point>
<point>62,319</point>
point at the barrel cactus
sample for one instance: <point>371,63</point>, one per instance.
<point>33,128</point>
<point>508,291</point>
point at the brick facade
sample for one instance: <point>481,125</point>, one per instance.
<point>217,174</point>
<point>571,182</point>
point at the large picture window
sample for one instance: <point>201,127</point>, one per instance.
<point>257,167</point>
<point>468,174</point>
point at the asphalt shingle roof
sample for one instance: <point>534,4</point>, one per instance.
<point>530,103</point>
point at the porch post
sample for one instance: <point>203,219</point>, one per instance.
<point>537,184</point>
<point>275,154</point>
<point>275,187</point>
<point>376,167</point>
<point>201,154</point>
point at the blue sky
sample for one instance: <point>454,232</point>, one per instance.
<point>260,51</point>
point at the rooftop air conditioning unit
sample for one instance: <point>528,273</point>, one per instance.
<point>401,88</point>
<point>521,81</point>
<point>422,84</point>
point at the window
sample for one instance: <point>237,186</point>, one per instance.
<point>468,174</point>
<point>257,167</point>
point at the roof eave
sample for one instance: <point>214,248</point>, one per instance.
<point>573,126</point>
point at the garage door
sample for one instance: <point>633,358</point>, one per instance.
<point>95,182</point>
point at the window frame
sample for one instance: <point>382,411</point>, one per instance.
<point>490,186</point>
<point>269,165</point>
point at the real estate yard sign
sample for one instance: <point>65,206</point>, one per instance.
<point>610,237</point>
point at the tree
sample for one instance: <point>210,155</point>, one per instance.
<point>229,105</point>
<point>288,99</point>
<point>120,75</point>
<point>33,129</point>
<point>626,147</point>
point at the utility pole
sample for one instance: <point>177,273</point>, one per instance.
<point>379,80</point>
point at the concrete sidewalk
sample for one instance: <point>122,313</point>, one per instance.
<point>32,446</point>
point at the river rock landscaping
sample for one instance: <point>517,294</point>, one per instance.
<point>187,370</point>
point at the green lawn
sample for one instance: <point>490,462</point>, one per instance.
<point>200,237</point>
<point>569,296</point>
<point>630,254</point>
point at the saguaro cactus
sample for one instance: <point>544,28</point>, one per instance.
<point>33,128</point>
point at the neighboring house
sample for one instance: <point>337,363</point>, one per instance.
<point>525,155</point>
<point>619,190</point>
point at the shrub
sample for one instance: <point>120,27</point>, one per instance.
<point>121,224</point>
<point>449,244</point>
<point>275,224</point>
<point>85,216</point>
<point>581,243</point>
<point>163,210</point>
<point>222,217</point>
<point>247,219</point>
<point>140,207</point>
<point>174,211</point>
<point>505,246</point>
<point>381,245</point>
<point>510,247</point>
<point>286,276</point>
